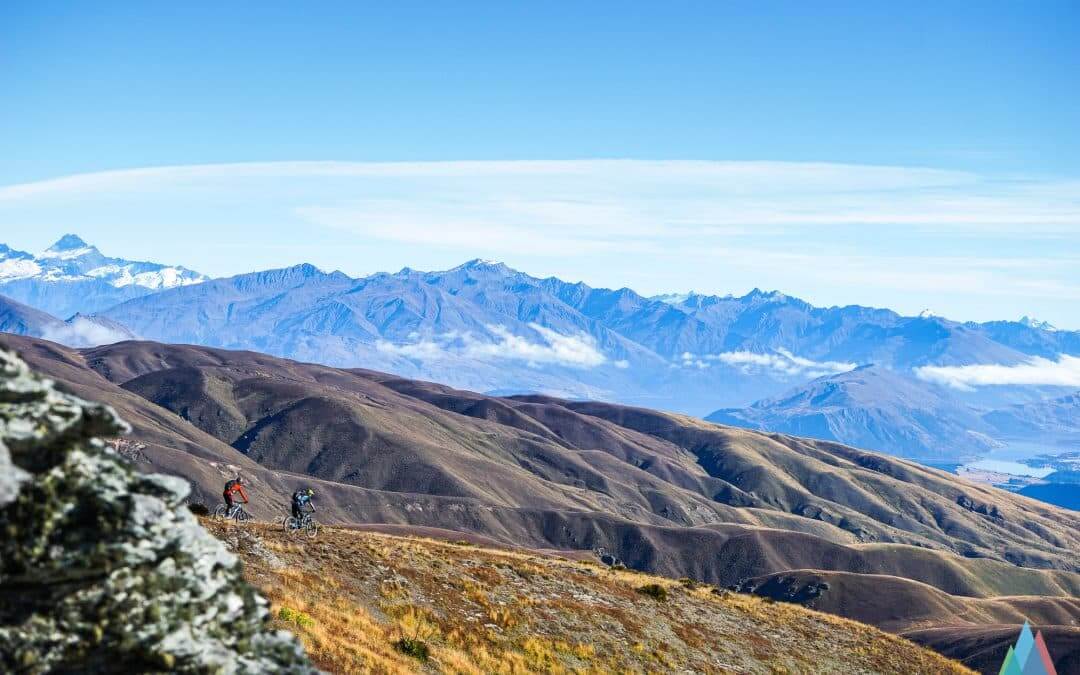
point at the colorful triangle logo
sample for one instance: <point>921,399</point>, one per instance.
<point>1029,656</point>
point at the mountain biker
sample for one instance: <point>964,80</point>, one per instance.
<point>300,499</point>
<point>233,489</point>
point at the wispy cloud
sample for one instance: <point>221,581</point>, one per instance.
<point>781,362</point>
<point>552,348</point>
<point>871,234</point>
<point>1064,372</point>
<point>625,195</point>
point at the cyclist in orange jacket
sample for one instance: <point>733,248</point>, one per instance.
<point>233,489</point>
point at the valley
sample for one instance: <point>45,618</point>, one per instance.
<point>665,493</point>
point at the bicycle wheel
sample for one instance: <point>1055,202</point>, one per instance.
<point>242,515</point>
<point>311,528</point>
<point>220,511</point>
<point>289,524</point>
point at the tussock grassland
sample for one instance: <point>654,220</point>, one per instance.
<point>376,603</point>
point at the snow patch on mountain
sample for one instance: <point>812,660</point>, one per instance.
<point>673,298</point>
<point>71,259</point>
<point>18,268</point>
<point>1032,322</point>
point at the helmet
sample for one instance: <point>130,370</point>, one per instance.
<point>310,492</point>
<point>240,480</point>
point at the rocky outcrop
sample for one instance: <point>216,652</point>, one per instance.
<point>102,569</point>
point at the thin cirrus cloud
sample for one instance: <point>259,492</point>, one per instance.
<point>1062,372</point>
<point>612,196</point>
<point>835,233</point>
<point>552,348</point>
<point>781,362</point>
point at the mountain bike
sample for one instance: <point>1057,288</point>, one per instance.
<point>237,513</point>
<point>306,524</point>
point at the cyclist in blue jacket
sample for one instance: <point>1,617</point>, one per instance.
<point>300,499</point>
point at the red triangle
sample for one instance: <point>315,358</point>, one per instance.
<point>1044,655</point>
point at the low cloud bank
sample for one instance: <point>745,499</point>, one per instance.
<point>781,361</point>
<point>1064,372</point>
<point>82,332</point>
<point>553,348</point>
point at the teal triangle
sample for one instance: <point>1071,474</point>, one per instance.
<point>1012,666</point>
<point>1009,666</point>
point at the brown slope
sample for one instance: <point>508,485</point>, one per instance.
<point>499,611</point>
<point>666,493</point>
<point>888,601</point>
<point>153,425</point>
<point>374,431</point>
<point>983,648</point>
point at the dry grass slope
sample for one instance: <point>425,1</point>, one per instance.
<point>367,602</point>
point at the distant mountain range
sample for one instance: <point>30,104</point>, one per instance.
<point>872,407</point>
<point>486,327</point>
<point>72,276</point>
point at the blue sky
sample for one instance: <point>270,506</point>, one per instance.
<point>965,113</point>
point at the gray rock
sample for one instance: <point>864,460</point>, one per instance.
<point>103,569</point>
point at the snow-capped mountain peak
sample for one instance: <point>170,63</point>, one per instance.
<point>73,275</point>
<point>481,264</point>
<point>67,247</point>
<point>1032,322</point>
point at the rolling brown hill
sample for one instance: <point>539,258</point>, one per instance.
<point>665,493</point>
<point>898,604</point>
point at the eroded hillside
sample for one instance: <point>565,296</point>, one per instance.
<point>353,596</point>
<point>667,494</point>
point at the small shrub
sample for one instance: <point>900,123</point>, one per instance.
<point>721,592</point>
<point>618,566</point>
<point>296,617</point>
<point>654,591</point>
<point>199,509</point>
<point>413,647</point>
<point>524,572</point>
<point>687,582</point>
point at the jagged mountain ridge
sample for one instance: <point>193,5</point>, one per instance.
<point>689,356</point>
<point>72,276</point>
<point>487,327</point>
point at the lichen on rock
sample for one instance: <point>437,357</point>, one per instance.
<point>103,569</point>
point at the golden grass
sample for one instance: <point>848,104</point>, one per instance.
<point>351,596</point>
